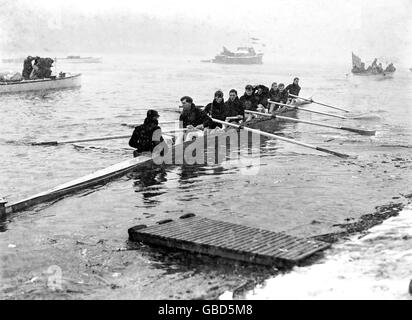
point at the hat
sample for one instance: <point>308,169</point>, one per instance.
<point>152,114</point>
<point>249,87</point>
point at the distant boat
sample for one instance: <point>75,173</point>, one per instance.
<point>53,83</point>
<point>243,55</point>
<point>79,59</point>
<point>358,68</point>
<point>410,69</point>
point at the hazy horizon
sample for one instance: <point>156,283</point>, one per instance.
<point>316,31</point>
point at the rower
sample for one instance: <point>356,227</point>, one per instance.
<point>234,108</point>
<point>262,95</point>
<point>293,88</point>
<point>249,101</point>
<point>216,109</point>
<point>280,95</point>
<point>192,118</point>
<point>147,135</point>
<point>273,93</point>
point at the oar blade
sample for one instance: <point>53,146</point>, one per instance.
<point>335,153</point>
<point>46,143</point>
<point>360,131</point>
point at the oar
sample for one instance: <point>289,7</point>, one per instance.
<point>359,131</point>
<point>307,110</point>
<point>132,125</point>
<point>55,143</point>
<point>273,136</point>
<point>322,104</point>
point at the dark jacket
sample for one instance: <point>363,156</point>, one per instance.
<point>193,116</point>
<point>273,94</point>
<point>263,97</point>
<point>234,108</point>
<point>278,96</point>
<point>143,136</point>
<point>293,89</point>
<point>27,68</point>
<point>215,110</point>
<point>249,102</point>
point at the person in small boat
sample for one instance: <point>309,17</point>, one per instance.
<point>380,68</point>
<point>390,68</point>
<point>148,135</point>
<point>48,64</point>
<point>262,95</point>
<point>249,101</point>
<point>192,116</point>
<point>280,96</point>
<point>362,67</point>
<point>216,109</point>
<point>293,88</point>
<point>27,67</point>
<point>273,93</point>
<point>234,107</point>
<point>35,73</point>
<point>41,68</point>
<point>273,90</point>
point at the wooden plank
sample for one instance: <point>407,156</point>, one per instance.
<point>96,178</point>
<point>208,236</point>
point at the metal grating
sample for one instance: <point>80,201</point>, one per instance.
<point>228,240</point>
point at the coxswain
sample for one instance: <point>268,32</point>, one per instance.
<point>147,135</point>
<point>216,109</point>
<point>235,112</point>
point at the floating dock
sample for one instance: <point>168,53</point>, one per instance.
<point>228,240</point>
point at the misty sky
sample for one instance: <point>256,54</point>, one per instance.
<point>303,29</point>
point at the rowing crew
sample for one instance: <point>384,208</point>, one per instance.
<point>146,136</point>
<point>254,99</point>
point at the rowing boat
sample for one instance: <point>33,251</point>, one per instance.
<point>71,81</point>
<point>94,179</point>
<point>178,155</point>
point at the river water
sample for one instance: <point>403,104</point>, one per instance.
<point>296,190</point>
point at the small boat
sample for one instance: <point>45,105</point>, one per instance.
<point>54,83</point>
<point>79,59</point>
<point>243,55</point>
<point>358,68</point>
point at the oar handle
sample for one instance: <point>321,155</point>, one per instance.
<point>322,104</point>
